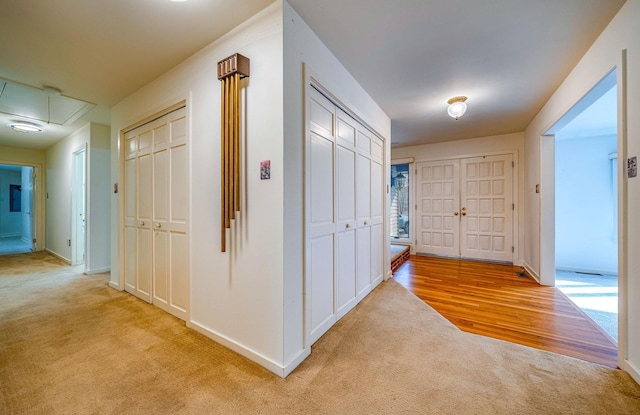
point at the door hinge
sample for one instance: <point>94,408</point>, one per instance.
<point>513,249</point>
<point>513,206</point>
<point>416,207</point>
<point>416,171</point>
<point>34,240</point>
<point>513,164</point>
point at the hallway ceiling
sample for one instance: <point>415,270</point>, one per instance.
<point>507,56</point>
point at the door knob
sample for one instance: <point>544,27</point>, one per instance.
<point>464,208</point>
<point>141,223</point>
<point>365,222</point>
<point>346,226</point>
<point>158,225</point>
<point>455,213</point>
<point>464,213</point>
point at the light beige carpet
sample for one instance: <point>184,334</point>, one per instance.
<point>69,344</point>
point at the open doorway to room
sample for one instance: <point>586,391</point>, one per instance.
<point>17,216</point>
<point>586,205</point>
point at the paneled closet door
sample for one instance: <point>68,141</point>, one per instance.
<point>487,208</point>
<point>378,241</point>
<point>345,183</point>
<point>137,220</point>
<point>363,203</point>
<point>321,225</point>
<point>170,245</point>
<point>155,204</point>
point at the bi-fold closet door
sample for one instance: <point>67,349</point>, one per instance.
<point>156,248</point>
<point>344,213</point>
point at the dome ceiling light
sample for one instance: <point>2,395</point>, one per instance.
<point>25,127</point>
<point>457,107</point>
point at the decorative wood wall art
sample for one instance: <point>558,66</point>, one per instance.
<point>230,71</point>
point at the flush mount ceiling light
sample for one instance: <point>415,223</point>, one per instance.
<point>457,107</point>
<point>25,127</point>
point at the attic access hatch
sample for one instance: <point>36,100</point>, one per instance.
<point>44,105</point>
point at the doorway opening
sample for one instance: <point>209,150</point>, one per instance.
<point>586,205</point>
<point>17,216</point>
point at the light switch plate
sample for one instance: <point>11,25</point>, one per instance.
<point>632,167</point>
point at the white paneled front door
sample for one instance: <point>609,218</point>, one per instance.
<point>487,208</point>
<point>465,208</point>
<point>438,200</point>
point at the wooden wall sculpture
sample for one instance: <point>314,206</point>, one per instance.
<point>230,71</point>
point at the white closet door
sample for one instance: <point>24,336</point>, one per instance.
<point>363,203</point>
<point>155,206</point>
<point>378,241</point>
<point>345,177</point>
<point>320,216</point>
<point>487,208</point>
<point>438,197</point>
<point>170,260</point>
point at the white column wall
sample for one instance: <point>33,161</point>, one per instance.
<point>303,48</point>
<point>623,33</point>
<point>236,297</point>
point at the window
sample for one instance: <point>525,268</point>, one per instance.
<point>400,201</point>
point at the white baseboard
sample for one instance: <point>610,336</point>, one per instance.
<point>628,367</point>
<point>299,358</point>
<point>586,270</point>
<point>531,271</point>
<point>97,271</point>
<point>115,286</point>
<point>252,355</point>
<point>55,254</point>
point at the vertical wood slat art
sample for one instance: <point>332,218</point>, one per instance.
<point>230,71</point>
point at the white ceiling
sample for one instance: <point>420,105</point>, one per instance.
<point>507,56</point>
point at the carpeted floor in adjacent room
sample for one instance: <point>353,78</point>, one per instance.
<point>69,344</point>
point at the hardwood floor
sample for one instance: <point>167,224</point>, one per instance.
<point>493,300</point>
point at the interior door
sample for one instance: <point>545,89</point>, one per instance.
<point>487,208</point>
<point>138,202</point>
<point>378,241</point>
<point>363,217</point>
<point>438,198</point>
<point>170,243</point>
<point>320,216</point>
<point>345,182</point>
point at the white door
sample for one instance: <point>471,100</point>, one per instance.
<point>345,184</point>
<point>78,220</point>
<point>344,209</point>
<point>170,245</point>
<point>363,219</point>
<point>438,198</point>
<point>465,208</point>
<point>487,208</point>
<point>320,216</point>
<point>156,251</point>
<point>378,241</point>
<point>137,215</point>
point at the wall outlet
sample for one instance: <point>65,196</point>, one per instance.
<point>68,242</point>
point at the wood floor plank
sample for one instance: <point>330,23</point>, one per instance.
<point>497,301</point>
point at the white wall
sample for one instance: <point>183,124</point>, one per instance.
<point>586,205</point>
<point>95,139</point>
<point>237,296</point>
<point>302,46</point>
<point>36,159</point>
<point>10,222</point>
<point>500,144</point>
<point>623,33</point>
<point>59,176</point>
